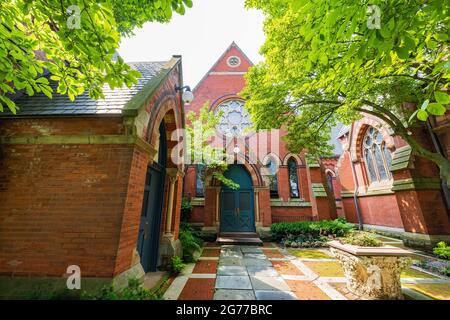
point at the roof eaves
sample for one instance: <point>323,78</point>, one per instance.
<point>133,106</point>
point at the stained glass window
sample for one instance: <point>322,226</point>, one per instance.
<point>293,178</point>
<point>376,156</point>
<point>273,180</point>
<point>234,118</point>
<point>199,187</point>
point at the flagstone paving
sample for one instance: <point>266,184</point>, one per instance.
<point>271,272</point>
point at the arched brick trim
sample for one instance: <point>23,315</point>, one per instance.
<point>297,159</point>
<point>218,101</point>
<point>168,110</point>
<point>360,129</point>
<point>253,169</point>
<point>329,171</point>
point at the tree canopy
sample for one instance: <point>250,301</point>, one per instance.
<point>74,41</point>
<point>332,61</point>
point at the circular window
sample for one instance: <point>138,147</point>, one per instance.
<point>233,61</point>
<point>234,118</point>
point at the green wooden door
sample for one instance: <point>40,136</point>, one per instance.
<point>236,213</point>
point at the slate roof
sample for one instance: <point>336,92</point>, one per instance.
<point>335,134</point>
<point>60,105</point>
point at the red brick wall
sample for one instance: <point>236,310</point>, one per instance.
<point>281,214</point>
<point>62,205</point>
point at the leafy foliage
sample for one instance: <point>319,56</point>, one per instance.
<point>75,41</point>
<point>200,147</point>
<point>361,238</point>
<point>325,63</point>
<point>442,250</point>
<point>310,230</point>
<point>186,209</point>
<point>177,265</point>
<point>190,242</point>
<point>134,291</point>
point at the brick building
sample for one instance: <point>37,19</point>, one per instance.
<point>275,185</point>
<point>394,192</point>
<point>90,183</point>
<point>385,187</point>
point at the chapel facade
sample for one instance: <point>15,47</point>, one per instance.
<point>275,184</point>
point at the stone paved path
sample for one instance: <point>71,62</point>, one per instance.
<point>233,272</point>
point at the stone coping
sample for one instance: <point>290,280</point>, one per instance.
<point>370,251</point>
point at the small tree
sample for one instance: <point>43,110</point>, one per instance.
<point>332,61</point>
<point>200,150</point>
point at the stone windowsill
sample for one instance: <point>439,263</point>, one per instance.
<point>289,203</point>
<point>198,201</point>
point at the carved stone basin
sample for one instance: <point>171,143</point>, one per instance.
<point>372,272</point>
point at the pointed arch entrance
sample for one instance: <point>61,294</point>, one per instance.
<point>152,206</point>
<point>237,206</point>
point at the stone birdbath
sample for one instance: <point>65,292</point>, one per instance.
<point>372,272</point>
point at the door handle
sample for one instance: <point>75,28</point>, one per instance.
<point>238,211</point>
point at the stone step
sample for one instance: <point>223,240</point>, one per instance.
<point>239,240</point>
<point>239,235</point>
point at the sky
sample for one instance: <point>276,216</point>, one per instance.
<point>201,35</point>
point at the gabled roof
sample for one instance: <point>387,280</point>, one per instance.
<point>232,46</point>
<point>114,102</point>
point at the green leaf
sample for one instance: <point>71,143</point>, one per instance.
<point>413,116</point>
<point>425,104</point>
<point>402,52</point>
<point>422,115</point>
<point>441,37</point>
<point>442,97</point>
<point>436,109</point>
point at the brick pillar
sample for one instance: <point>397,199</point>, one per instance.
<point>322,206</point>
<point>303,183</point>
<point>420,200</point>
<point>283,183</point>
<point>265,212</point>
<point>210,206</point>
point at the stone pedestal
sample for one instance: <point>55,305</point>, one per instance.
<point>372,272</point>
<point>168,249</point>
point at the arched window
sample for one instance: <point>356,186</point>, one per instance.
<point>376,156</point>
<point>273,184</point>
<point>330,182</point>
<point>293,178</point>
<point>199,183</point>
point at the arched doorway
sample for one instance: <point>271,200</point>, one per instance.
<point>152,204</point>
<point>236,214</point>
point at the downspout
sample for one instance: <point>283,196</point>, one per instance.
<point>355,182</point>
<point>437,146</point>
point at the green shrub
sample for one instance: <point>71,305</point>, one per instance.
<point>177,265</point>
<point>310,229</point>
<point>190,242</point>
<point>442,250</point>
<point>134,291</point>
<point>186,209</point>
<point>363,239</point>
